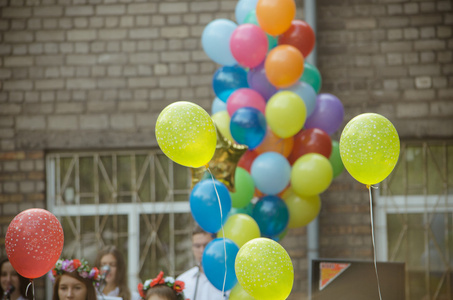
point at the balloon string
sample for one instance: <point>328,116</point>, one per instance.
<point>223,232</point>
<point>32,287</point>
<point>373,240</point>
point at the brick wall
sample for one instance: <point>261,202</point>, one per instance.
<point>84,74</point>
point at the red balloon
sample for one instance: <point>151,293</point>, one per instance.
<point>313,140</point>
<point>299,35</point>
<point>247,159</point>
<point>34,241</point>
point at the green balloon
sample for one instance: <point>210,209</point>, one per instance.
<point>245,188</point>
<point>335,159</point>
<point>312,76</point>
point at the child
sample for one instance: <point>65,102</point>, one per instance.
<point>161,288</point>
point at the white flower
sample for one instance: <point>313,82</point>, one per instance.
<point>169,279</point>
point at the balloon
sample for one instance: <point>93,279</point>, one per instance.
<point>274,143</point>
<point>369,148</point>
<point>223,163</point>
<point>284,66</point>
<point>280,237</point>
<point>248,126</point>
<point>33,242</point>
<point>299,35</point>
<point>311,175</point>
<point>335,159</point>
<point>247,159</point>
<point>248,210</point>
<point>243,8</point>
<point>275,16</point>
<point>248,44</point>
<point>244,187</point>
<point>285,114</point>
<point>312,140</point>
<point>271,172</point>
<point>302,210</point>
<point>240,228</point>
<point>215,41</point>
<point>222,123</point>
<point>251,19</point>
<point>213,261</point>
<point>271,214</point>
<point>186,134</point>
<point>204,202</point>
<point>264,269</point>
<point>306,93</point>
<point>228,79</point>
<point>245,97</point>
<point>258,81</point>
<point>238,293</point>
<point>312,76</point>
<point>217,105</point>
<point>328,114</point>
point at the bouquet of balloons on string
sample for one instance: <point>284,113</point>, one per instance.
<point>261,160</point>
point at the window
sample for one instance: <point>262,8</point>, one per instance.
<point>136,200</point>
<point>414,218</point>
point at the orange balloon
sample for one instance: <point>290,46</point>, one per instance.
<point>275,16</point>
<point>284,66</point>
<point>275,143</point>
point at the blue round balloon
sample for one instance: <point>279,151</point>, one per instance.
<point>205,207</point>
<point>215,41</point>
<point>213,262</point>
<point>307,93</point>
<point>248,126</point>
<point>228,79</point>
<point>271,172</point>
<point>272,215</point>
<point>243,7</point>
<point>218,105</point>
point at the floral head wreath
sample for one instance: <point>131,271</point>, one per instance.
<point>176,285</point>
<point>81,266</point>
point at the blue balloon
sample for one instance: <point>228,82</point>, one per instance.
<point>307,93</point>
<point>271,172</point>
<point>248,210</point>
<point>228,79</point>
<point>213,262</point>
<point>248,126</point>
<point>243,7</point>
<point>272,215</point>
<point>204,204</point>
<point>218,105</point>
<point>215,41</point>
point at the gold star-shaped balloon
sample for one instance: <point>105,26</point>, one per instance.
<point>223,163</point>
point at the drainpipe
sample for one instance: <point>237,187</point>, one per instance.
<point>313,227</point>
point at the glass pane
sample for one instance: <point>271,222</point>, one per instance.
<point>415,171</point>
<point>124,174</point>
<point>436,169</point>
<point>86,174</point>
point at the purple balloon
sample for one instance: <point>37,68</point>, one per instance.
<point>258,81</point>
<point>328,114</point>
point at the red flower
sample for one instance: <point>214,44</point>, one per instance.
<point>179,286</point>
<point>158,280</point>
<point>76,263</point>
<point>54,273</point>
<point>140,290</point>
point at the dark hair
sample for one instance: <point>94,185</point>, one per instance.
<point>162,291</point>
<point>121,271</point>
<point>23,282</point>
<point>197,230</point>
<point>91,292</point>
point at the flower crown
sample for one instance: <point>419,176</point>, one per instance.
<point>82,268</point>
<point>176,285</point>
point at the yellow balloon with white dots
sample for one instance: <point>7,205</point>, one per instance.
<point>264,269</point>
<point>369,148</point>
<point>186,134</point>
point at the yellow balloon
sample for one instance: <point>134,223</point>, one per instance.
<point>238,293</point>
<point>186,134</point>
<point>240,228</point>
<point>264,269</point>
<point>369,148</point>
<point>286,113</point>
<point>222,122</point>
<point>311,174</point>
<point>302,210</point>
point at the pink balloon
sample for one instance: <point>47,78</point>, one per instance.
<point>245,97</point>
<point>248,45</point>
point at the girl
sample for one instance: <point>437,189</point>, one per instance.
<point>161,288</point>
<point>12,285</point>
